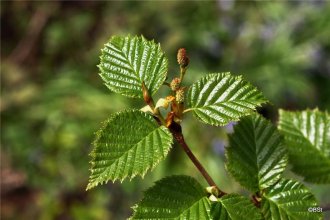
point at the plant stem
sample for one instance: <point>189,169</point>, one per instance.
<point>180,139</point>
<point>255,201</point>
<point>182,72</point>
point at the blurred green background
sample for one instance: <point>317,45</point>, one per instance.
<point>52,99</point>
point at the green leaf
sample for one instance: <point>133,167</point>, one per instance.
<point>128,61</point>
<point>219,98</point>
<point>175,197</point>
<point>289,199</point>
<point>256,156</point>
<point>129,144</point>
<point>307,135</point>
<point>235,207</point>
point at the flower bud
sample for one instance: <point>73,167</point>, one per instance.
<point>175,84</point>
<point>213,190</point>
<point>169,119</point>
<point>182,57</point>
<point>147,98</point>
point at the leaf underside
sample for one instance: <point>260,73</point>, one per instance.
<point>256,156</point>
<point>172,198</point>
<point>129,144</point>
<point>234,207</point>
<point>219,98</point>
<point>289,199</point>
<point>307,135</point>
<point>128,61</point>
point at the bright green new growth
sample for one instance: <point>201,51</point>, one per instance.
<point>307,135</point>
<point>220,98</point>
<point>256,154</point>
<point>128,61</point>
<point>130,143</point>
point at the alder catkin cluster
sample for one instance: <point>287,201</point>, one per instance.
<point>183,59</point>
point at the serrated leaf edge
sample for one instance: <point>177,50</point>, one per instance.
<point>263,100</point>
<point>284,158</point>
<point>134,207</point>
<point>157,47</point>
<point>97,135</point>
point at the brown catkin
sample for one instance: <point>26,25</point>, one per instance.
<point>183,59</point>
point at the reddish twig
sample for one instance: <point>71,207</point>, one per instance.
<point>177,134</point>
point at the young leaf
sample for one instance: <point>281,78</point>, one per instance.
<point>289,199</point>
<point>175,197</point>
<point>307,135</point>
<point>256,154</point>
<point>129,144</point>
<point>235,207</point>
<point>219,98</point>
<point>128,61</point>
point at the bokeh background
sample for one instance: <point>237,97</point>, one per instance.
<point>52,99</point>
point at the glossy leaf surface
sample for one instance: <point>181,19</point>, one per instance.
<point>128,61</point>
<point>289,200</point>
<point>219,98</point>
<point>234,207</point>
<point>174,198</point>
<point>256,154</point>
<point>307,135</point>
<point>129,144</point>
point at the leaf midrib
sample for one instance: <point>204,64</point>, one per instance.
<point>280,207</point>
<point>128,61</point>
<point>126,152</point>
<point>256,152</point>
<point>309,143</point>
<point>203,197</point>
<point>180,214</point>
<point>221,103</point>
